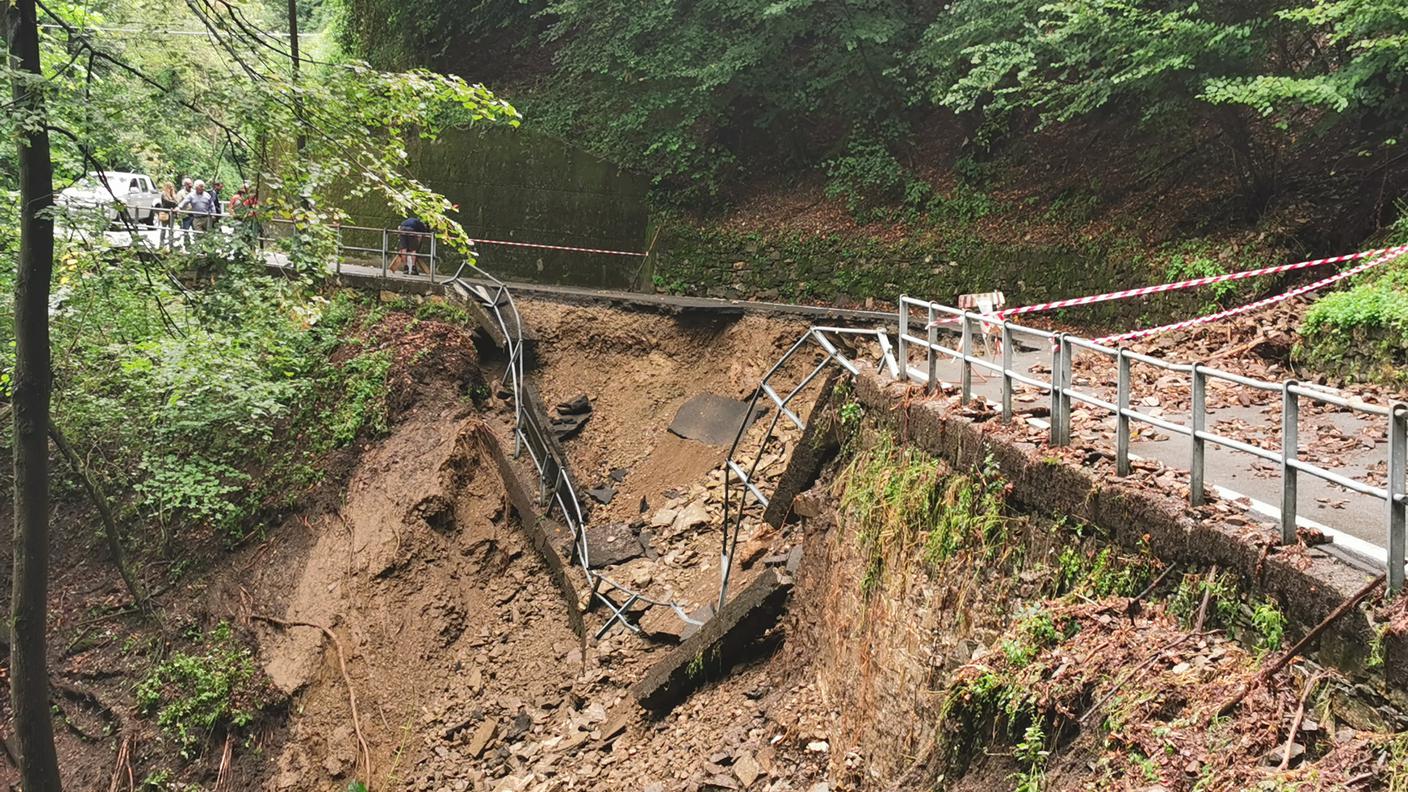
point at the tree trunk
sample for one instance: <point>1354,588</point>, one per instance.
<point>105,513</point>
<point>29,678</point>
<point>302,139</point>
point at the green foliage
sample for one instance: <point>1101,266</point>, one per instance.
<point>1269,624</point>
<point>1188,267</point>
<point>872,181</point>
<point>194,695</point>
<point>851,414</point>
<point>364,401</point>
<point>1362,333</point>
<point>703,95</point>
<point>904,506</point>
<point>971,517</point>
<point>1031,753</point>
<point>187,399</point>
<point>1222,592</point>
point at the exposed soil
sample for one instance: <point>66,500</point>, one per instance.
<point>638,370</point>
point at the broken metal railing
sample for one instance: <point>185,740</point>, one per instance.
<point>743,481</point>
<point>1064,394</point>
<point>556,490</point>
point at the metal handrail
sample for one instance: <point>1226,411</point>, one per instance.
<point>556,489</point>
<point>1064,394</point>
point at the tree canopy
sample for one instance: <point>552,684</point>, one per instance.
<point>698,93</point>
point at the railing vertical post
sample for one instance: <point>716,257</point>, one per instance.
<point>1006,372</point>
<point>1198,420</point>
<point>932,357</point>
<point>434,259</point>
<point>385,241</point>
<point>1067,385</point>
<point>1056,391</point>
<point>1290,448</point>
<point>902,348</point>
<point>337,255</point>
<point>966,377</point>
<point>1122,416</point>
<point>1397,508</point>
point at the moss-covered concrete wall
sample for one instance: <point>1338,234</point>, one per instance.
<point>518,185</point>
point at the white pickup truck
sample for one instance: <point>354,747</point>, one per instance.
<point>110,190</point>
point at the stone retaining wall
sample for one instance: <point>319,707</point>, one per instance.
<point>1308,583</point>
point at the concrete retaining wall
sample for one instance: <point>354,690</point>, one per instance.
<point>519,185</point>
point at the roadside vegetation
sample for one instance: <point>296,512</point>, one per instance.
<point>182,400</point>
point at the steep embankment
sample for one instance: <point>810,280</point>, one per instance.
<point>966,646</point>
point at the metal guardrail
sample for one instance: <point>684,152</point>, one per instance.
<point>740,476</point>
<point>556,490</point>
<point>1064,394</point>
<point>378,247</point>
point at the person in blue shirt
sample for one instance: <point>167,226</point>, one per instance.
<point>413,232</point>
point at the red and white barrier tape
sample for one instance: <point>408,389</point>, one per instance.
<point>1196,282</point>
<point>1390,255</point>
<point>557,247</point>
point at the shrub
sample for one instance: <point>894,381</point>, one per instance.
<point>194,695</point>
<point>875,185</point>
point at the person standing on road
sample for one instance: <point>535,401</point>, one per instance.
<point>412,231</point>
<point>201,205</point>
<point>244,208</point>
<point>187,187</point>
<point>166,221</point>
<point>215,189</point>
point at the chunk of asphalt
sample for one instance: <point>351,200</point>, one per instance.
<point>602,495</point>
<point>577,405</point>
<point>712,420</point>
<point>618,475</point>
<point>612,544</point>
<point>712,650</point>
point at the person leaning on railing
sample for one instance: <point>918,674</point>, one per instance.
<point>413,231</point>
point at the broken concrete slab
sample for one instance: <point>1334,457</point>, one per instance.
<point>820,442</point>
<point>608,545</point>
<point>714,648</point>
<point>567,427</point>
<point>711,419</point>
<point>544,534</point>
